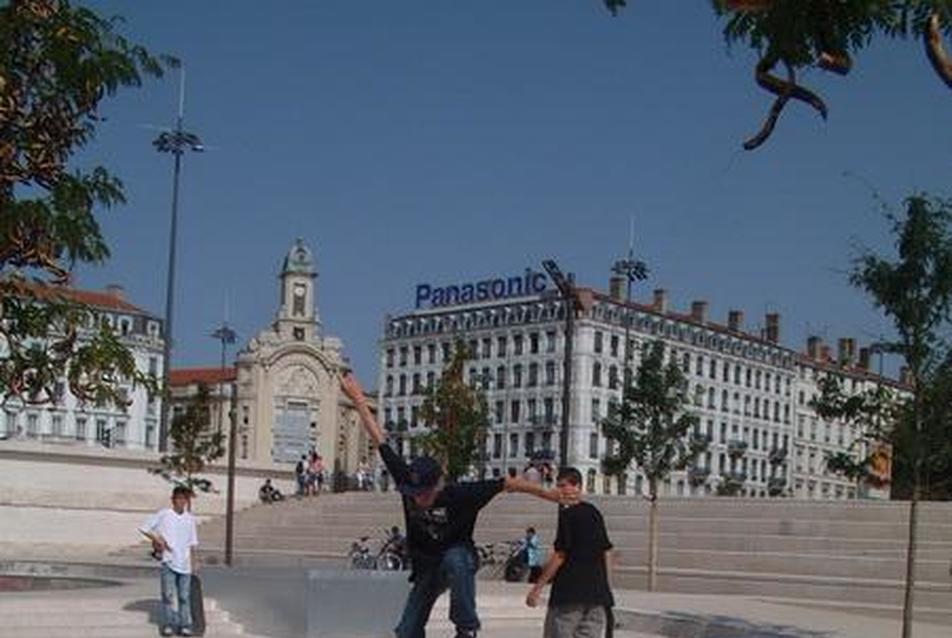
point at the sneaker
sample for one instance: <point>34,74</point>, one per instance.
<point>166,631</point>
<point>466,633</point>
<point>186,632</point>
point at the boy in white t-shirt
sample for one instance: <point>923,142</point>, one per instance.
<point>172,532</point>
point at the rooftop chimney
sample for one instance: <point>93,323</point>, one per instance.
<point>735,320</point>
<point>814,344</point>
<point>116,292</point>
<point>846,352</point>
<point>661,300</point>
<point>699,311</point>
<point>772,333</point>
<point>616,288</point>
<point>864,358</point>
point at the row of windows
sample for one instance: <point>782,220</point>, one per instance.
<point>516,377</point>
<point>485,318</point>
<point>485,348</point>
<point>103,430</point>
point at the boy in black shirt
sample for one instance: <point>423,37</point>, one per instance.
<point>440,518</point>
<point>581,598</point>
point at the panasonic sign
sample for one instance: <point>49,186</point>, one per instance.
<point>529,283</point>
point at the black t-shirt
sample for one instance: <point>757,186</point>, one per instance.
<point>583,578</point>
<point>451,519</point>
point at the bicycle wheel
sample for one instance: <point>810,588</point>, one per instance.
<point>389,562</point>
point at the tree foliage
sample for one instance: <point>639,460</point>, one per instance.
<point>825,34</point>
<point>652,425</point>
<point>456,415</point>
<point>57,63</point>
<point>195,443</point>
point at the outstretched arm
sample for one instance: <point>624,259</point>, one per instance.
<point>522,486</point>
<point>552,567</point>
<point>355,393</point>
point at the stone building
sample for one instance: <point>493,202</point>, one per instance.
<point>284,384</point>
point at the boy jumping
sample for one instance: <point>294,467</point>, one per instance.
<point>440,518</point>
<point>581,598</point>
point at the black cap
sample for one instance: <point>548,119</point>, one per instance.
<point>425,473</point>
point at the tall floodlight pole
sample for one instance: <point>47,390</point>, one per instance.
<point>227,337</point>
<point>176,142</point>
<point>566,288</point>
<point>632,270</point>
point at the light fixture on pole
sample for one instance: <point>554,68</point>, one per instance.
<point>227,337</point>
<point>566,287</point>
<point>176,142</point>
<point>632,270</point>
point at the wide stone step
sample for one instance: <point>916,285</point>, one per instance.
<point>347,523</point>
<point>54,618</point>
<point>873,591</point>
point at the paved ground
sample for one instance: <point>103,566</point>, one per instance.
<point>268,602</point>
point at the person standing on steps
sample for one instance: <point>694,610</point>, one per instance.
<point>173,533</point>
<point>581,601</point>
<point>440,518</point>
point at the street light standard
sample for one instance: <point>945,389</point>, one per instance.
<point>176,142</point>
<point>566,286</point>
<point>227,337</point>
<point>632,270</point>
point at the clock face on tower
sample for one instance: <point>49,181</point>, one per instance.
<point>299,298</point>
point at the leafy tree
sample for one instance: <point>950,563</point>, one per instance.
<point>825,34</point>
<point>456,415</point>
<point>875,415</point>
<point>195,444</point>
<point>913,290</point>
<point>57,63</point>
<point>652,429</point>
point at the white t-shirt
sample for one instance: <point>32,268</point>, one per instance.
<point>180,535</point>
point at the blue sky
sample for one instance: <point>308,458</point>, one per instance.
<point>417,141</point>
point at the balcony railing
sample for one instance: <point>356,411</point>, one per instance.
<point>698,475</point>
<point>734,476</point>
<point>778,455</point>
<point>736,447</point>
<point>776,486</point>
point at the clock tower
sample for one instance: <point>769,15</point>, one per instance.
<point>297,316</point>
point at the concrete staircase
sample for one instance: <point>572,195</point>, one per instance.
<point>128,610</point>
<point>851,552</point>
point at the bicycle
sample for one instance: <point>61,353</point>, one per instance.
<point>387,558</point>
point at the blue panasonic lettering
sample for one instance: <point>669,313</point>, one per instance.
<point>423,292</point>
<point>451,295</point>
<point>528,283</point>
<point>498,288</point>
<point>538,282</point>
<point>514,287</point>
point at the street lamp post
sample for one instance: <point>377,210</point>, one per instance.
<point>227,336</point>
<point>632,270</point>
<point>566,287</point>
<point>176,142</point>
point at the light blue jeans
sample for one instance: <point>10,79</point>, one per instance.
<point>176,585</point>
<point>456,572</point>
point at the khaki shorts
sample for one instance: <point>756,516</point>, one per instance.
<point>574,621</point>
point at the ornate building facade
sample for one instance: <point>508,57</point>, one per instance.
<point>284,386</point>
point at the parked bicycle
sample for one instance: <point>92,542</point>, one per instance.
<point>387,558</point>
<point>509,555</point>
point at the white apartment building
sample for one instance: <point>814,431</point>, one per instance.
<point>66,420</point>
<point>750,393</point>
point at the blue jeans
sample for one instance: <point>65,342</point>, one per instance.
<point>456,572</point>
<point>176,585</point>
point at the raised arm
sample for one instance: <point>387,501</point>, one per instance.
<point>522,486</point>
<point>355,393</point>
